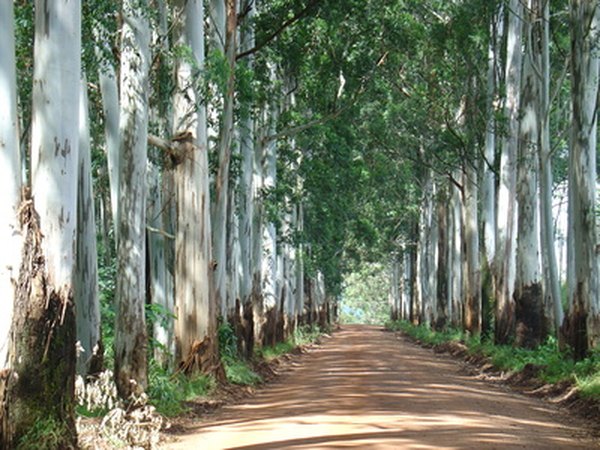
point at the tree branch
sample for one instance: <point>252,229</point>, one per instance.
<point>280,30</point>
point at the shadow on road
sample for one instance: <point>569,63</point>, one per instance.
<point>365,388</point>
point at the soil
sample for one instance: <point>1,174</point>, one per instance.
<point>365,388</point>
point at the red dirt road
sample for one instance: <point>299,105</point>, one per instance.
<point>367,389</point>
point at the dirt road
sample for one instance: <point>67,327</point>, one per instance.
<point>367,389</point>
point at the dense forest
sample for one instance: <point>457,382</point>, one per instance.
<point>173,167</point>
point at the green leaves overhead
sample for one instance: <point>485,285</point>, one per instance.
<point>383,84</point>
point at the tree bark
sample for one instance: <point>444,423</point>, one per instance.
<point>504,267</point>
<point>528,295</point>
<point>582,324</point>
<point>130,327</point>
<point>39,386</point>
<point>549,262</point>
<point>91,352</point>
<point>219,235</point>
<point>196,310</point>
<point>10,176</point>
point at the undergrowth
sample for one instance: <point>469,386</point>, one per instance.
<point>555,365</point>
<point>168,393</point>
<point>302,336</point>
<point>237,370</point>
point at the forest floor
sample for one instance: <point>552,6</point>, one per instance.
<point>365,388</point>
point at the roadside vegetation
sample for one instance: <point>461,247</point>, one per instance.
<point>552,364</point>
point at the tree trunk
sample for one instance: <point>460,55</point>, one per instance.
<point>158,241</point>
<point>130,326</point>
<point>87,306</point>
<point>549,262</point>
<point>219,235</point>
<point>504,267</point>
<point>582,325</point>
<point>195,327</point>
<point>472,266</point>
<point>528,295</point>
<point>455,268</point>
<point>39,386</point>
<point>442,261</point>
<point>109,91</point>
<point>10,176</point>
<point>246,194</point>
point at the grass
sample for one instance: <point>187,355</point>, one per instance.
<point>555,365</point>
<point>239,372</point>
<point>45,434</point>
<point>168,393</point>
<point>302,336</point>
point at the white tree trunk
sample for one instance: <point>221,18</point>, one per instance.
<point>406,283</point>
<point>395,291</point>
<point>256,242</point>
<point>219,235</point>
<point>300,297</point>
<point>87,303</point>
<point>528,295</point>
<point>130,327</point>
<point>109,91</point>
<point>157,270</point>
<point>507,211</point>
<point>42,357</point>
<point>584,303</point>
<point>269,238</point>
<point>194,306</point>
<point>549,261</point>
<point>472,265</point>
<point>246,189</point>
<point>488,186</point>
<point>455,269</point>
<point>10,175</point>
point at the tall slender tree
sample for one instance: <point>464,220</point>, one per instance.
<point>528,295</point>
<point>130,326</point>
<point>504,267</point>
<point>89,359</point>
<point>196,310</point>
<point>582,324</point>
<point>10,174</point>
<point>39,386</point>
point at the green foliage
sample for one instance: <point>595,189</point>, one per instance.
<point>365,295</point>
<point>424,333</point>
<point>240,372</point>
<point>107,284</point>
<point>275,351</point>
<point>47,434</point>
<point>237,370</point>
<point>217,70</point>
<point>554,365</point>
<point>303,335</point>
<point>168,393</point>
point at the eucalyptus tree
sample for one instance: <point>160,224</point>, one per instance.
<point>554,308</point>
<point>226,33</point>
<point>196,309</point>
<point>10,174</point>
<point>582,325</point>
<point>507,212</point>
<point>87,306</point>
<point>103,24</point>
<point>39,385</point>
<point>246,180</point>
<point>528,295</point>
<point>130,296</point>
